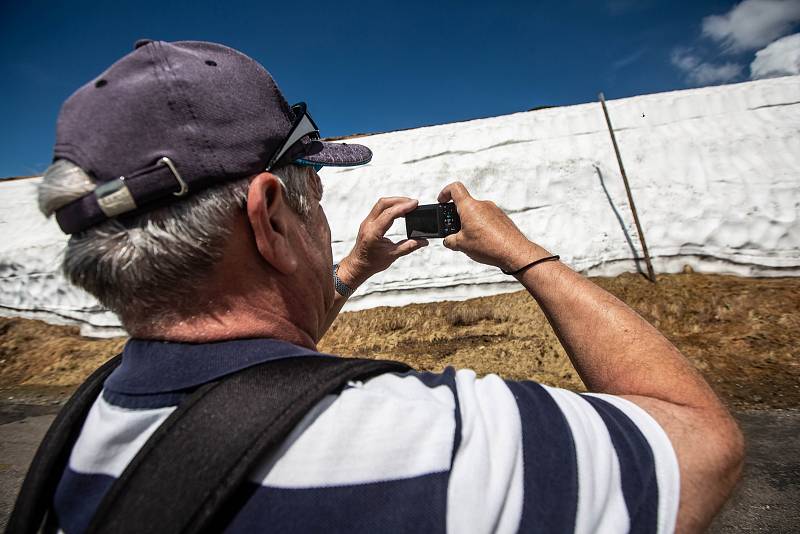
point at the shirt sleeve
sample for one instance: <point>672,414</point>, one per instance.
<point>536,458</point>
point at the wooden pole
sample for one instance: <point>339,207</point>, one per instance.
<point>650,272</point>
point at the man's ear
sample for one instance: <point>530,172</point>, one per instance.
<point>273,221</point>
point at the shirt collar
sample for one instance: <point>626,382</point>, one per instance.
<point>150,367</point>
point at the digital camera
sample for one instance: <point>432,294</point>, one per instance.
<point>433,220</point>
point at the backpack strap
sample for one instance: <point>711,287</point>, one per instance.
<point>39,487</point>
<point>189,475</point>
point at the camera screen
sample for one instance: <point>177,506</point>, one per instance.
<point>423,222</point>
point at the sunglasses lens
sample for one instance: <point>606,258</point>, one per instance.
<point>316,166</point>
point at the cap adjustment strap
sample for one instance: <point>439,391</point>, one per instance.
<point>122,195</point>
<point>114,197</point>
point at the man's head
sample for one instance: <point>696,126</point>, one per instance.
<point>178,160</point>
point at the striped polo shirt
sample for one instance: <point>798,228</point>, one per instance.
<point>400,452</point>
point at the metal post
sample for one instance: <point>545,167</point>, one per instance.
<point>650,272</point>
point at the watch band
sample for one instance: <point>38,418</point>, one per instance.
<point>341,288</point>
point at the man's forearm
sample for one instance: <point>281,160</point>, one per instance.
<point>613,349</point>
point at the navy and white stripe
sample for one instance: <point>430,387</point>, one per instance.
<point>415,451</point>
<point>547,442</point>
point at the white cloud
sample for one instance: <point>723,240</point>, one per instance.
<point>631,58</point>
<point>684,59</point>
<point>708,73</point>
<point>780,58</point>
<point>752,24</point>
<point>699,72</point>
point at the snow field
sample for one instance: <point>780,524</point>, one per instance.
<point>715,174</point>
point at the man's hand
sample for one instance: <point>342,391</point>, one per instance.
<point>373,252</point>
<point>487,234</point>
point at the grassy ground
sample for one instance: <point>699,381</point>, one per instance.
<point>740,332</point>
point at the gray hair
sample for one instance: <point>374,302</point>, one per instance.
<point>146,269</point>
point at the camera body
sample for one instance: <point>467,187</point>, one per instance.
<point>433,220</point>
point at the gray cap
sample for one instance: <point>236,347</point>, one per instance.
<point>170,119</point>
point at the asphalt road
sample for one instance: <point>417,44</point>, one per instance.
<point>767,499</point>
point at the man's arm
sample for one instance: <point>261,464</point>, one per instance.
<point>615,351</point>
<point>373,252</point>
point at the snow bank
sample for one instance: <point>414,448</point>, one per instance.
<point>715,174</point>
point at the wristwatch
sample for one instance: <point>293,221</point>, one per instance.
<point>341,288</point>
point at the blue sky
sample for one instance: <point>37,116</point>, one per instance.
<point>361,66</point>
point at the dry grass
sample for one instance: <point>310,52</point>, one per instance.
<point>503,334</point>
<point>740,332</point>
<point>36,353</point>
<point>471,314</point>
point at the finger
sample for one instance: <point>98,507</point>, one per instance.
<point>382,204</point>
<point>384,221</point>
<point>407,246</point>
<point>451,242</point>
<point>455,192</point>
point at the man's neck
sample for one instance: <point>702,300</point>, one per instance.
<point>206,329</point>
<point>234,316</point>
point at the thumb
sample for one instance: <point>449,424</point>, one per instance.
<point>407,246</point>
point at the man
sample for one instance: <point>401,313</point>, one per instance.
<point>190,189</point>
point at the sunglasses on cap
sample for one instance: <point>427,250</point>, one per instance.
<point>303,126</point>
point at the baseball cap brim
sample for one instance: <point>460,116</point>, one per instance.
<point>334,154</point>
